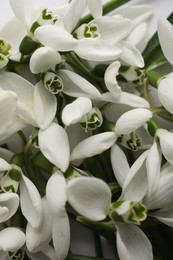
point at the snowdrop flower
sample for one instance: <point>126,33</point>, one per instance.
<point>85,194</point>
<point>130,127</point>
<point>81,111</point>
<point>138,15</point>
<point>37,238</point>
<point>5,51</point>
<point>9,110</point>
<point>165,33</point>
<point>12,239</point>
<point>36,105</point>
<point>60,38</point>
<point>54,144</point>
<point>115,94</point>
<point>56,188</point>
<point>143,193</point>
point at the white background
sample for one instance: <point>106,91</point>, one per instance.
<point>82,241</point>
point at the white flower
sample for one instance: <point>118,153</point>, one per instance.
<point>35,105</point>
<point>31,204</point>
<point>166,143</point>
<point>165,33</point>
<point>132,120</point>
<point>56,200</point>
<point>115,94</point>
<point>75,111</point>
<point>11,239</point>
<point>165,92</point>
<point>54,144</point>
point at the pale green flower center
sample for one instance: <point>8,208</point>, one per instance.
<point>46,17</point>
<point>5,47</point>
<point>92,119</point>
<point>87,31</point>
<point>128,212</point>
<point>131,141</point>
<point>10,181</point>
<point>53,83</point>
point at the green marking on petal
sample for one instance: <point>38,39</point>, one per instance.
<point>53,83</point>
<point>92,119</point>
<point>87,31</point>
<point>131,141</point>
<point>128,212</point>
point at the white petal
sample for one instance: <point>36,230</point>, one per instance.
<point>166,143</point>
<point>73,112</point>
<point>73,14</point>
<point>97,50</point>
<point>45,105</point>
<point>43,59</point>
<point>54,144</point>
<point>10,201</point>
<point>77,86</point>
<point>4,166</point>
<point>165,93</point>
<point>8,108</point>
<point>125,99</point>
<point>95,7</point>
<point>138,37</point>
<point>153,163</point>
<point>11,239</point>
<point>110,78</point>
<point>130,54</point>
<point>18,125</point>
<point>163,195</point>
<point>132,243</point>
<point>25,94</point>
<point>165,217</point>
<point>22,10</point>
<point>136,13</point>
<point>133,100</point>
<point>132,120</point>
<point>55,37</point>
<point>93,145</point>
<point>165,33</point>
<point>119,163</point>
<point>136,184</point>
<point>113,29</point>
<point>14,32</point>
<point>37,238</point>
<point>56,194</point>
<point>31,204</point>
<point>85,194</point>
<point>61,236</point>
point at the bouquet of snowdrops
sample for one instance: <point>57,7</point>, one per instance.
<point>82,137</point>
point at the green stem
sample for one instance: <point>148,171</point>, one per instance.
<point>98,245</point>
<point>81,67</point>
<point>107,8</point>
